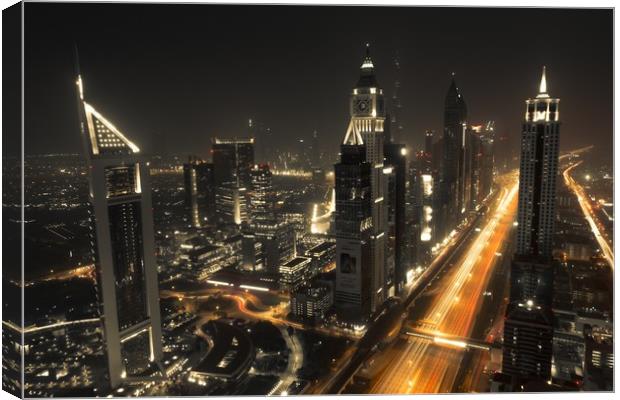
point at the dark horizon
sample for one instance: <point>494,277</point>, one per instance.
<point>172,78</point>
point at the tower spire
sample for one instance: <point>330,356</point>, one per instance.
<point>78,82</point>
<point>542,89</point>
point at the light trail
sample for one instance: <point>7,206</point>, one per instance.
<point>53,326</point>
<point>431,366</point>
<point>584,203</point>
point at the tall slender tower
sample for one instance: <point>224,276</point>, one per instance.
<point>528,327</point>
<point>455,119</point>
<point>538,173</point>
<point>120,194</point>
<point>396,123</point>
<point>367,109</point>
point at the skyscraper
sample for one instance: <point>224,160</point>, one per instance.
<point>353,222</point>
<point>261,193</point>
<point>199,182</point>
<point>528,328</point>
<point>120,194</point>
<point>540,143</point>
<point>232,161</point>
<point>455,120</point>
<point>395,172</point>
<point>396,123</point>
<point>428,141</point>
<point>367,109</point>
<point>316,151</point>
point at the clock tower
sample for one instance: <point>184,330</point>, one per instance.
<point>366,127</point>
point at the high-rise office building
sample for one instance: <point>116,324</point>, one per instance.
<point>540,143</point>
<point>232,161</point>
<point>199,182</point>
<point>528,328</point>
<point>261,194</point>
<point>231,204</point>
<point>123,246</point>
<point>482,162</point>
<point>396,123</point>
<point>428,141</point>
<point>315,159</point>
<point>366,127</point>
<point>262,140</point>
<point>396,174</point>
<point>455,121</point>
<point>353,226</point>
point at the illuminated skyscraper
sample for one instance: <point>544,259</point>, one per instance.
<point>396,123</point>
<point>353,222</point>
<point>366,127</point>
<point>428,141</point>
<point>528,330</point>
<point>261,194</point>
<point>120,194</point>
<point>395,173</point>
<point>540,143</point>
<point>232,160</point>
<point>199,192</point>
<point>451,200</point>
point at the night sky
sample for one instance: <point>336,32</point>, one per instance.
<point>173,76</point>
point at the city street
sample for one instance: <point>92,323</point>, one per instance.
<point>422,366</point>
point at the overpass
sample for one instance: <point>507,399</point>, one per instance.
<point>442,339</point>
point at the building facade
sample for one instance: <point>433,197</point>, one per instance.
<point>528,328</point>
<point>199,183</point>
<point>366,126</point>
<point>233,159</point>
<point>540,144</point>
<point>452,166</point>
<point>123,247</point>
<point>353,228</point>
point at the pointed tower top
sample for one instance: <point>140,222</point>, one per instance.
<point>367,71</point>
<point>78,74</point>
<point>542,89</point>
<point>367,63</point>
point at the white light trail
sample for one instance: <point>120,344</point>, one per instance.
<point>587,212</point>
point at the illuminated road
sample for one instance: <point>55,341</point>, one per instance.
<point>424,366</point>
<point>608,253</point>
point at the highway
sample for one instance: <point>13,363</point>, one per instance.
<point>423,366</point>
<point>593,221</point>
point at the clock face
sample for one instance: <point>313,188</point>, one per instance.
<point>362,105</point>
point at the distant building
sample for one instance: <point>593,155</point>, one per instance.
<point>311,302</point>
<point>261,193</point>
<point>323,255</point>
<point>294,273</point>
<point>231,204</point>
<point>452,185</point>
<point>232,161</point>
<point>123,247</point>
<point>428,141</point>
<point>279,242</point>
<point>199,182</point>
<point>253,255</point>
<point>395,173</point>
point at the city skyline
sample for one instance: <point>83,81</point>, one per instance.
<point>217,77</point>
<point>368,255</point>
